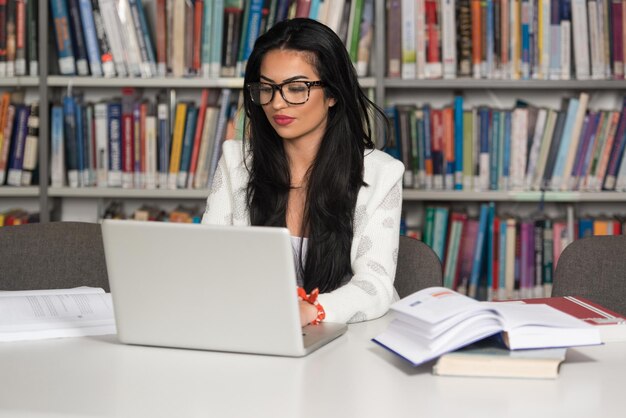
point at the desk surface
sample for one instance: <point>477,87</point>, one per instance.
<point>350,377</point>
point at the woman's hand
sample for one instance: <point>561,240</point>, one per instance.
<point>308,312</point>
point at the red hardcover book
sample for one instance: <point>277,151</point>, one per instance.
<point>204,102</point>
<point>161,37</point>
<point>197,35</point>
<point>466,256</point>
<point>617,41</point>
<point>612,325</point>
<point>433,44</point>
<point>303,8</point>
<point>128,137</point>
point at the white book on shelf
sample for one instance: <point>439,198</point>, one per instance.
<point>150,175</point>
<point>420,39</point>
<point>55,313</point>
<point>206,147</point>
<point>519,141</point>
<point>542,158</point>
<point>408,33</point>
<point>620,179</point>
<point>581,39</point>
<point>114,36</point>
<point>334,14</point>
<point>535,148</point>
<point>596,42</point>
<point>566,49</point>
<point>102,144</point>
<point>448,38</point>
<point>583,100</point>
<point>129,38</point>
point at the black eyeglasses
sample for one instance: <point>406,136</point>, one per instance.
<point>293,92</point>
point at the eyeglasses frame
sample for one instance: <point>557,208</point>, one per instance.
<point>279,87</point>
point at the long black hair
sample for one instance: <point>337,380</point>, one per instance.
<point>336,175</point>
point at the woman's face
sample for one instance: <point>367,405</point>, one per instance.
<point>299,122</point>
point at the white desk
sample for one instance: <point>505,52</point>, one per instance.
<point>351,377</point>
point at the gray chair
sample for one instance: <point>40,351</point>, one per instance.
<point>53,255</point>
<point>594,268</point>
<point>418,267</point>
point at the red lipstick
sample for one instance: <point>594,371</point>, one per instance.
<point>283,120</point>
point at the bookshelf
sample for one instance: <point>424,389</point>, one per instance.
<point>385,91</point>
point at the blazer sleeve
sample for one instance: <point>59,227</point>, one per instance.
<point>225,195</point>
<point>374,252</point>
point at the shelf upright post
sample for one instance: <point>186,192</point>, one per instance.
<point>379,62</point>
<point>44,112</point>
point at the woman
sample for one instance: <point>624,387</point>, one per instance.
<point>309,164</point>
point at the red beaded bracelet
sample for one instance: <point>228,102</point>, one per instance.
<point>312,299</point>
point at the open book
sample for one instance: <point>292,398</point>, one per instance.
<point>437,320</point>
<point>40,314</point>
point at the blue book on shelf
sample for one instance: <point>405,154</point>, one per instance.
<point>217,25</point>
<point>315,9</point>
<point>525,38</point>
<point>220,131</point>
<point>65,51</point>
<point>18,142</point>
<point>502,258</point>
<point>392,145</point>
<point>491,248</point>
<point>71,148</point>
<point>78,38</point>
<point>57,157</point>
<point>566,140</point>
<point>188,137</point>
<point>585,227</point>
<point>506,154</point>
<point>494,150</point>
<point>91,39</point>
<point>490,39</point>
<point>207,22</point>
<point>114,114</point>
<point>251,32</point>
<point>80,141</point>
<point>458,142</point>
<point>440,232</point>
<point>145,32</point>
<point>428,155</point>
<point>479,251</point>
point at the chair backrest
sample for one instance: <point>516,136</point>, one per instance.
<point>53,255</point>
<point>418,267</point>
<point>594,268</point>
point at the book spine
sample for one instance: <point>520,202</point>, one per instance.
<point>106,56</point>
<point>408,38</point>
<point>80,141</point>
<point>142,37</point>
<point>219,133</point>
<point>366,36</point>
<point>57,149</point>
<point>188,137</point>
<point>91,39</point>
<point>20,38</point>
<point>102,142</point>
<point>138,146</point>
<point>217,28</point>
<point>31,145</point>
<point>150,127</point>
<point>113,35</point>
<point>252,32</point>
<point>78,38</point>
<point>11,37</point>
<point>16,159</point>
<point>69,129</point>
<point>128,137</point>
<point>114,115</point>
<point>130,43</point>
<point>197,139</point>
<point>65,51</point>
<point>163,139</point>
<point>32,21</point>
<point>3,37</point>
<point>162,35</point>
<point>479,251</point>
<point>394,39</point>
<point>177,144</point>
<point>449,36</point>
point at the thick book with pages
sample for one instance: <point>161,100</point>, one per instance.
<point>436,320</point>
<point>488,358</point>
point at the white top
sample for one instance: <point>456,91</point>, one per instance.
<point>349,377</point>
<point>299,245</point>
<point>374,251</point>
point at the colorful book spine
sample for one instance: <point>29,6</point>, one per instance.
<point>65,51</point>
<point>16,158</point>
<point>114,121</point>
<point>479,251</point>
<point>78,38</point>
<point>57,148</point>
<point>91,39</point>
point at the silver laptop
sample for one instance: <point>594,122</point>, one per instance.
<point>220,288</point>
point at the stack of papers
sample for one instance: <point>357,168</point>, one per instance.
<point>41,314</point>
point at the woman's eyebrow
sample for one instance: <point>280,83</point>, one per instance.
<point>287,80</point>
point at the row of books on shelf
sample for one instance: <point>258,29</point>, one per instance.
<point>17,216</point>
<point>501,256</point>
<point>19,140</point>
<point>18,38</point>
<point>516,39</point>
<point>148,212</point>
<point>524,148</point>
<point>134,142</point>
<point>189,38</point>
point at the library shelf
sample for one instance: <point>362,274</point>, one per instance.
<point>119,193</point>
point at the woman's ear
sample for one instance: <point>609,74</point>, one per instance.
<point>331,101</point>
